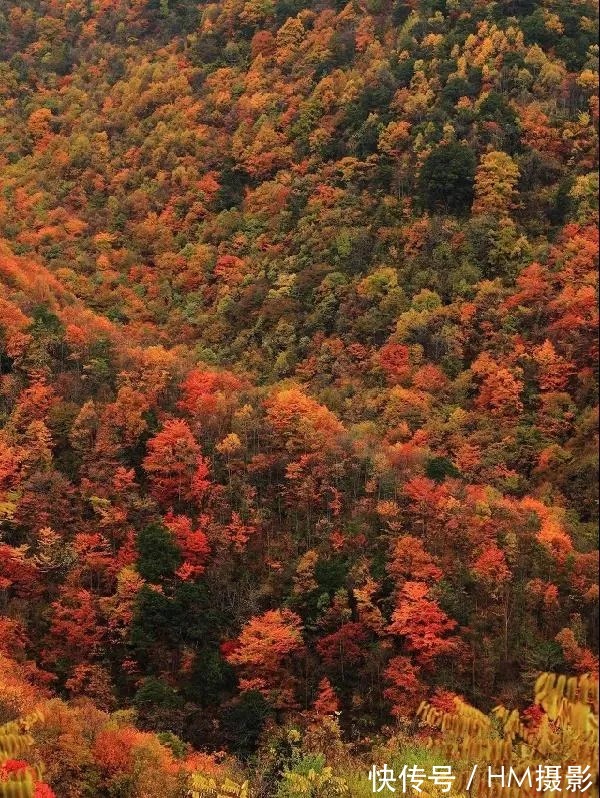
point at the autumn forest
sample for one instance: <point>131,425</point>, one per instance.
<point>298,393</point>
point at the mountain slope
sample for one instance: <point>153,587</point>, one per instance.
<point>298,357</point>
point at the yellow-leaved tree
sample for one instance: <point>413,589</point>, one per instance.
<point>19,779</point>
<point>495,184</point>
<point>560,730</point>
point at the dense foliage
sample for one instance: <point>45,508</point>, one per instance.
<point>298,372</point>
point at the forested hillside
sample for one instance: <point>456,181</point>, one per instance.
<point>298,379</point>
